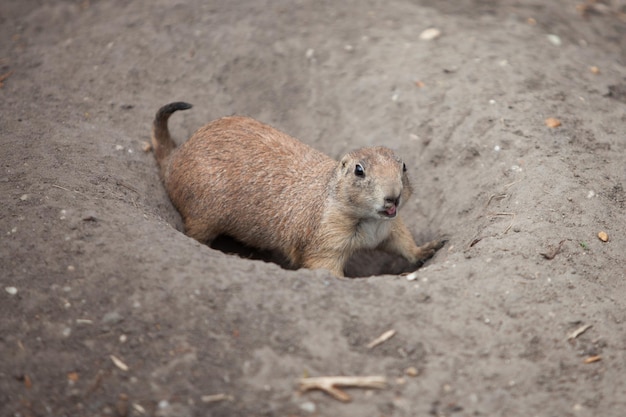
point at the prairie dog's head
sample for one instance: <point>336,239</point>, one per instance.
<point>373,183</point>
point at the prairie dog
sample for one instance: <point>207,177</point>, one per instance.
<point>242,178</point>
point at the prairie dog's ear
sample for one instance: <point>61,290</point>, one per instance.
<point>345,164</point>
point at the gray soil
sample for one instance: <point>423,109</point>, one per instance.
<point>94,264</point>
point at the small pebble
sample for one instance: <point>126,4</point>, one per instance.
<point>411,371</point>
<point>89,216</point>
<point>11,290</point>
<point>308,407</point>
<point>112,317</point>
<point>552,122</point>
<point>603,236</point>
<point>119,148</point>
<point>24,197</point>
<point>554,40</point>
<point>430,34</point>
<point>412,276</point>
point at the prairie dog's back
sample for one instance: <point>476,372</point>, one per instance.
<point>244,176</point>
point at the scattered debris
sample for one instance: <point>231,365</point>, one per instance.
<point>584,245</point>
<point>603,236</point>
<point>328,384</point>
<point>119,363</point>
<point>28,383</point>
<point>138,408</point>
<point>214,398</point>
<point>73,376</point>
<point>553,252</point>
<point>430,34</point>
<point>411,371</point>
<point>474,241</point>
<point>552,122</point>
<point>502,213</point>
<point>126,185</point>
<point>381,339</point>
<point>582,329</point>
<point>592,359</point>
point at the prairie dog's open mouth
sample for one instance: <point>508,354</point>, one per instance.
<point>389,212</point>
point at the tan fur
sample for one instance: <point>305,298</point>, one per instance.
<point>239,177</point>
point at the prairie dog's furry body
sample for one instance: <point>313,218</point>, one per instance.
<point>242,178</point>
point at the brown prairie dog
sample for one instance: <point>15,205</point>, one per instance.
<point>242,178</point>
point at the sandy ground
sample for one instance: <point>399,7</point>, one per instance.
<point>93,265</point>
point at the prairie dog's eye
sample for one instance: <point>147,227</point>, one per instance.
<point>403,167</point>
<point>358,170</point>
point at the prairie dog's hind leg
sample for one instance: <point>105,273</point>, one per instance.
<point>200,231</point>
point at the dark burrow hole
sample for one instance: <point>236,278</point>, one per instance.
<point>362,264</point>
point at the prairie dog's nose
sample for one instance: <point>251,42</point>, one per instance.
<point>392,201</point>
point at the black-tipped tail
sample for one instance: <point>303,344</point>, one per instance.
<point>161,140</point>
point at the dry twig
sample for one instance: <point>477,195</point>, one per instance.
<point>582,329</point>
<point>381,339</point>
<point>329,384</point>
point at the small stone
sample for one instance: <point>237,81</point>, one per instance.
<point>554,40</point>
<point>24,197</point>
<point>430,34</point>
<point>411,371</point>
<point>112,317</point>
<point>308,407</point>
<point>552,122</point>
<point>603,236</point>
<point>119,148</point>
<point>11,290</point>
<point>89,216</point>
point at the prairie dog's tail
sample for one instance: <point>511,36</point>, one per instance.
<point>161,140</point>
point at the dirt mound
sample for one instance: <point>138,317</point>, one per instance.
<point>110,310</point>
